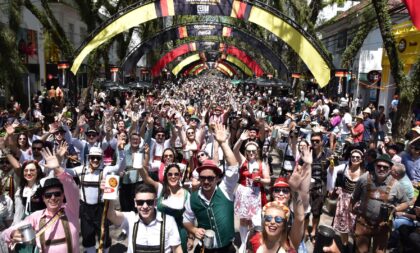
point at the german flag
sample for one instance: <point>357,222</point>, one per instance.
<point>240,10</point>
<point>165,8</point>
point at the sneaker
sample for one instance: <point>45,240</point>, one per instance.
<point>122,237</point>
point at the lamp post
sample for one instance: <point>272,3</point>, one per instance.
<point>341,74</point>
<point>114,73</point>
<point>63,66</point>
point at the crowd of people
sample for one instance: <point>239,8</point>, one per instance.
<point>193,157</point>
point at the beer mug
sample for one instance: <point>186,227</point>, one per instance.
<point>138,160</point>
<point>28,234</point>
<point>111,186</point>
<point>208,240</point>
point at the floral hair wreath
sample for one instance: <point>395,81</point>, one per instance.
<point>277,204</point>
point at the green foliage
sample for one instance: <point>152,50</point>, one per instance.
<point>357,42</point>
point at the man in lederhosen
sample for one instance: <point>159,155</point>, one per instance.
<point>379,195</point>
<point>148,231</point>
<point>91,204</point>
<point>212,204</point>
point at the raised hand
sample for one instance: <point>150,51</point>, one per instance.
<point>51,161</point>
<point>53,128</point>
<point>9,129</point>
<point>62,150</point>
<point>307,154</point>
<point>244,135</point>
<point>220,133</point>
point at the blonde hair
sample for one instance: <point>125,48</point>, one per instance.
<point>275,205</point>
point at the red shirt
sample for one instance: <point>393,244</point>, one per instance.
<point>358,130</point>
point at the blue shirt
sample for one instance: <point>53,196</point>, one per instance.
<point>412,166</point>
<point>369,128</point>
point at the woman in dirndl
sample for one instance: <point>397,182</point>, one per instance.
<point>347,176</point>
<point>250,195</point>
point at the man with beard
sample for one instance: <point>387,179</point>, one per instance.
<point>379,194</point>
<point>212,204</point>
<point>91,205</point>
<point>149,231</point>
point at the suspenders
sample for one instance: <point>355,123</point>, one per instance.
<point>149,249</point>
<point>90,184</point>
<point>67,233</point>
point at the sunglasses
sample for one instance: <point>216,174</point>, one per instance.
<point>176,174</point>
<point>91,135</point>
<point>277,219</point>
<point>49,195</point>
<point>283,190</point>
<point>95,157</point>
<point>149,202</point>
<point>315,141</point>
<point>208,178</point>
<point>3,161</point>
<point>160,135</point>
<point>201,155</point>
<point>384,167</point>
<point>356,157</point>
<point>36,148</point>
<point>168,156</point>
<point>251,151</point>
<point>59,132</point>
<point>190,133</point>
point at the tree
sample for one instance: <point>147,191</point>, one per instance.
<point>12,68</point>
<point>408,88</point>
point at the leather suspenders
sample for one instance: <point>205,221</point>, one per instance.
<point>90,184</point>
<point>150,249</point>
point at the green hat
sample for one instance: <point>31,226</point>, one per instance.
<point>384,158</point>
<point>194,117</point>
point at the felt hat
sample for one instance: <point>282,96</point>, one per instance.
<point>384,158</point>
<point>209,165</point>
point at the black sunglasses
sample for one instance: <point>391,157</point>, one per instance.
<point>91,135</point>
<point>49,195</point>
<point>277,219</point>
<point>284,190</point>
<point>201,154</point>
<point>94,157</point>
<point>149,202</point>
<point>4,161</point>
<point>208,178</point>
<point>316,141</point>
<point>382,167</point>
<point>36,148</point>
